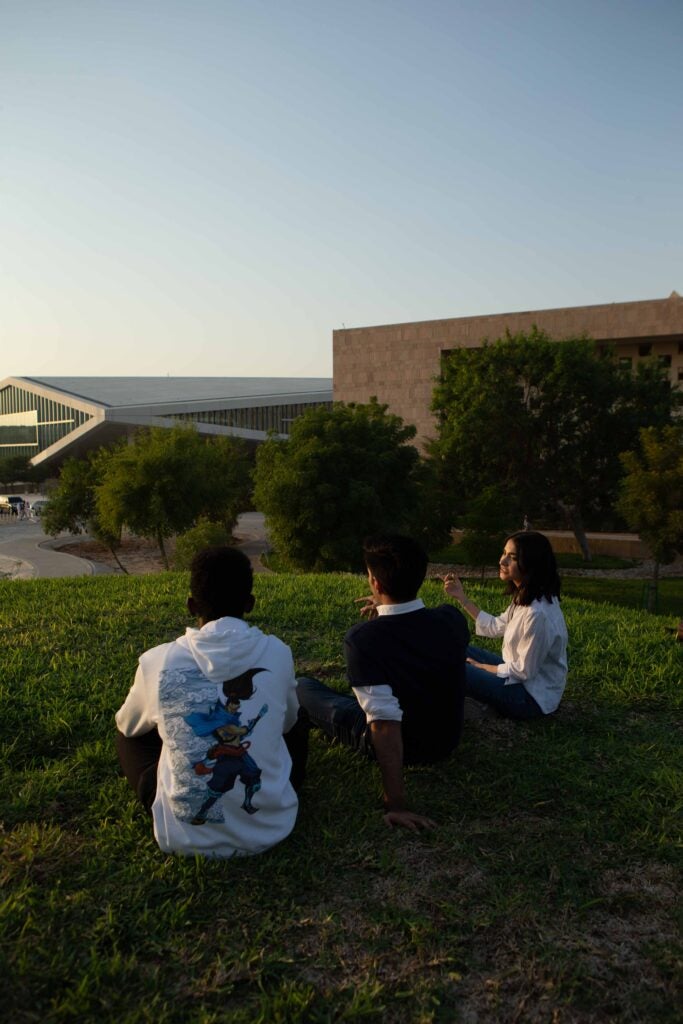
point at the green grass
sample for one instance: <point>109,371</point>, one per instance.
<point>548,893</point>
<point>627,593</point>
<point>622,593</point>
<point>455,554</point>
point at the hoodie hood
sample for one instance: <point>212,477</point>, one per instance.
<point>224,648</point>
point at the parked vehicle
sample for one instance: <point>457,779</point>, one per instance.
<point>39,505</point>
<point>11,503</point>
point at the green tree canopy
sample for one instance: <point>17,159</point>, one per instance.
<point>344,473</point>
<point>166,479</point>
<point>545,422</point>
<point>651,495</point>
<point>72,503</point>
<point>15,468</point>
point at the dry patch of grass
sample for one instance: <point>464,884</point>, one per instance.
<point>138,555</point>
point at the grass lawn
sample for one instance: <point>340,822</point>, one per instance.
<point>456,554</point>
<point>627,593</point>
<point>602,590</point>
<point>549,893</point>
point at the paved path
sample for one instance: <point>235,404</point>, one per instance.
<point>26,552</point>
<point>250,532</point>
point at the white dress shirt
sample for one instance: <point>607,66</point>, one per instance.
<point>534,648</point>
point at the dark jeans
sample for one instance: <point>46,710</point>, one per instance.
<point>139,759</point>
<point>338,716</point>
<point>511,701</point>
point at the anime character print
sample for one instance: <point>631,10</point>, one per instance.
<point>228,760</point>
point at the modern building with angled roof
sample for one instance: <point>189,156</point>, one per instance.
<point>50,418</point>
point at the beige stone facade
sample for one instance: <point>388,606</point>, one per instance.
<point>398,363</point>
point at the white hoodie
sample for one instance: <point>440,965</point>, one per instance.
<point>179,688</point>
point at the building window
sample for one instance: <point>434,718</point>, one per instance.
<point>664,360</point>
<point>645,348</point>
<point>680,374</point>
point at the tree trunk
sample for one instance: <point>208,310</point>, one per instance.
<point>580,534</point>
<point>162,549</point>
<point>652,590</point>
<point>117,560</point>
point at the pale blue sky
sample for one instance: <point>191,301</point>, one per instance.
<point>204,187</point>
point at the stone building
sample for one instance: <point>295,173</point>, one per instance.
<point>398,363</point>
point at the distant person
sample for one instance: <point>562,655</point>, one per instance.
<point>406,667</point>
<point>529,679</point>
<point>209,736</point>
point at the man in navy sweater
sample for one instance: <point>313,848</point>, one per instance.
<point>406,667</point>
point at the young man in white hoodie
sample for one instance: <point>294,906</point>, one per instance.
<point>209,736</point>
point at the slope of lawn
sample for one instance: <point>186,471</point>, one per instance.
<point>548,893</point>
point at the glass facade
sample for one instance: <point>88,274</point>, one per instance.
<point>31,423</point>
<point>262,417</point>
<point>54,421</point>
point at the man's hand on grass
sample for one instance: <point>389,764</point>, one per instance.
<point>388,744</point>
<point>409,820</point>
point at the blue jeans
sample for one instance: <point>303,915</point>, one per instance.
<point>338,716</point>
<point>511,701</point>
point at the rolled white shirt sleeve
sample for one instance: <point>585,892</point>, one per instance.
<point>378,703</point>
<point>491,625</point>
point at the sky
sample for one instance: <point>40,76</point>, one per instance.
<point>211,187</point>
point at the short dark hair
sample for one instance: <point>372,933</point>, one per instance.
<point>221,581</point>
<point>399,563</point>
<point>538,566</point>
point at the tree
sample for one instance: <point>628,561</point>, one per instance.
<point>651,495</point>
<point>343,474</point>
<point>544,421</point>
<point>12,468</point>
<point>72,503</point>
<point>15,468</point>
<point>166,479</point>
<point>486,524</point>
<point>205,534</point>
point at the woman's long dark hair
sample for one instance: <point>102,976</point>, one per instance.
<point>536,563</point>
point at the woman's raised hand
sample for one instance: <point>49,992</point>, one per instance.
<point>453,587</point>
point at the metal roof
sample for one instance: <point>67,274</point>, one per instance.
<point>146,391</point>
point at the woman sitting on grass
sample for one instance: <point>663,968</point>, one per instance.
<point>529,679</point>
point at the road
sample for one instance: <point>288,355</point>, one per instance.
<point>25,552</point>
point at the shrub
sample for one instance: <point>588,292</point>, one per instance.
<point>205,534</point>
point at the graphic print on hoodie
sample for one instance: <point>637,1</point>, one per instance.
<point>226,759</point>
